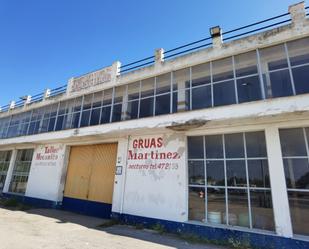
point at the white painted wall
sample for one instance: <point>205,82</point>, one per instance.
<point>156,193</point>
<point>46,172</point>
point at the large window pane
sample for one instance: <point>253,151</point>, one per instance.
<point>196,173</point>
<point>224,93</point>
<point>5,157</point>
<point>236,173</point>
<point>234,145</point>
<point>293,142</point>
<point>281,83</point>
<point>296,173</point>
<point>105,115</point>
<point>262,210</point>
<point>249,89</point>
<point>258,173</point>
<point>299,209</point>
<point>256,144</point>
<point>132,111</point>
<point>238,207</point>
<point>163,103</point>
<point>214,146</point>
<point>147,88</point>
<point>201,74</point>
<point>215,173</point>
<point>201,97</point>
<point>246,64</point>
<point>222,69</point>
<point>301,79</point>
<point>146,107</point>
<point>195,147</point>
<point>215,205</point>
<point>197,204</point>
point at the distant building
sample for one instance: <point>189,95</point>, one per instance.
<point>213,142</point>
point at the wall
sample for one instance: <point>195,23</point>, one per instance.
<point>47,172</point>
<point>154,181</point>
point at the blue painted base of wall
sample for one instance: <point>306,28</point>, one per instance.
<point>91,208</point>
<point>36,202</point>
<point>256,240</point>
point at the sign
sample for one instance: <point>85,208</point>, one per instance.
<point>48,155</point>
<point>152,153</point>
<point>90,80</point>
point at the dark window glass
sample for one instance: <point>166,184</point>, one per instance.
<point>256,144</point>
<point>236,173</point>
<point>117,113</point>
<point>262,210</point>
<point>51,124</point>
<point>258,173</point>
<point>301,79</point>
<point>75,119</point>
<point>132,110</point>
<point>85,118</point>
<point>214,146</point>
<point>234,145</point>
<point>95,116</point>
<point>245,64</point>
<point>196,173</point>
<point>224,93</point>
<point>299,209</point>
<point>201,97</point>
<point>238,208</point>
<point>222,69</point>
<point>175,102</point>
<point>215,205</point>
<point>215,173</point>
<point>163,103</point>
<point>195,147</point>
<point>281,83</point>
<point>293,142</point>
<point>105,115</point>
<point>197,204</point>
<point>59,124</point>
<point>146,107</point>
<point>249,89</point>
<point>296,173</point>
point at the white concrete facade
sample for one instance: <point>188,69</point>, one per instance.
<point>163,193</point>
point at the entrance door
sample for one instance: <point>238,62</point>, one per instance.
<point>90,179</point>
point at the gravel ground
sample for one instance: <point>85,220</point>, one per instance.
<point>53,229</point>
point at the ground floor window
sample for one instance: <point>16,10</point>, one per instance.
<point>5,158</point>
<point>295,152</point>
<point>229,180</point>
<point>21,171</point>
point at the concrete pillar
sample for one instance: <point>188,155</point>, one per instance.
<point>12,104</point>
<point>181,95</point>
<point>27,100</point>
<point>159,56</point>
<point>9,172</point>
<point>278,185</point>
<point>116,67</point>
<point>298,13</point>
<point>46,94</point>
<point>216,34</point>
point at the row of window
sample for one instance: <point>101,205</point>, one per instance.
<point>277,71</point>
<point>229,179</point>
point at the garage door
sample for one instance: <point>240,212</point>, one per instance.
<point>90,179</point>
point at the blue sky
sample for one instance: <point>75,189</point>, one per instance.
<point>44,43</point>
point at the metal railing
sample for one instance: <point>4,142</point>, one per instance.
<point>180,50</point>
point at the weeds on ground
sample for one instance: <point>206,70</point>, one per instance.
<point>109,223</point>
<point>13,203</point>
<point>159,228</point>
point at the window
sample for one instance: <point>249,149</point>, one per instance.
<point>299,58</point>
<point>248,82</point>
<point>21,171</point>
<point>275,71</point>
<point>163,94</point>
<point>147,98</point>
<point>294,146</point>
<point>223,80</point>
<point>201,87</point>
<point>5,158</point>
<point>117,105</point>
<point>133,100</point>
<point>229,180</point>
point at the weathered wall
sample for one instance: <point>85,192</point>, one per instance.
<point>154,181</point>
<point>46,172</point>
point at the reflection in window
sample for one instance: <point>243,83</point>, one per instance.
<point>294,146</point>
<point>5,158</point>
<point>225,161</point>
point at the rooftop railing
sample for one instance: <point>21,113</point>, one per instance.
<point>229,35</point>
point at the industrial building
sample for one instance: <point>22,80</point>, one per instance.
<point>213,141</point>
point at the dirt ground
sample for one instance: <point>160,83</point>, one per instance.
<point>55,229</point>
